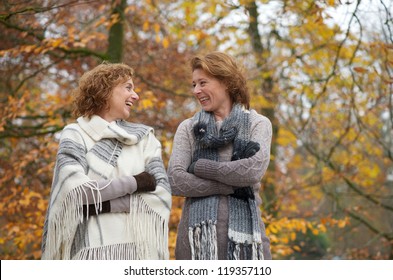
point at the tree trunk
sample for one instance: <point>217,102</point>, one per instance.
<point>116,32</point>
<point>268,188</point>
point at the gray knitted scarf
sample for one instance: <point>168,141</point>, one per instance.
<point>244,231</point>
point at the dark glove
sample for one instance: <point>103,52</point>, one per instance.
<point>106,208</point>
<point>244,150</point>
<point>229,134</point>
<point>190,169</point>
<point>145,182</point>
<point>251,149</point>
<point>117,205</point>
<point>244,193</point>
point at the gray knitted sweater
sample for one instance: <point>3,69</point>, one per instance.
<point>217,178</point>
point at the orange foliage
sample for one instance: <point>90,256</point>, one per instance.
<point>329,92</point>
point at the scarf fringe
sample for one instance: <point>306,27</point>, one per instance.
<point>203,236</point>
<point>143,226</point>
<point>252,251</point>
<point>243,225</point>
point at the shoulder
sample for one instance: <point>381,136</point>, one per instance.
<point>185,125</point>
<point>255,117</point>
<point>184,132</point>
<point>72,130</point>
<point>73,135</point>
<point>260,122</point>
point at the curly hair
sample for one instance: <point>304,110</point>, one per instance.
<point>96,86</point>
<point>224,68</point>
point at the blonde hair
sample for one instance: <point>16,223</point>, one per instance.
<point>223,67</point>
<point>96,86</point>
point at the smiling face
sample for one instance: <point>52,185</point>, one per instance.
<point>122,99</point>
<point>211,94</point>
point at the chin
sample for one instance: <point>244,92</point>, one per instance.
<point>206,108</point>
<point>126,116</point>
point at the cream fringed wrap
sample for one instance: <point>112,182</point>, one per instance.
<point>94,149</point>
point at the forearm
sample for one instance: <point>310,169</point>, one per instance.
<point>188,185</point>
<point>183,183</point>
<point>244,172</point>
<point>114,195</point>
<point>108,189</point>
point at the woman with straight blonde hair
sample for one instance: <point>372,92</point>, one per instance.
<point>218,160</point>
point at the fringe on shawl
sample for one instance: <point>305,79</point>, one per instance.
<point>147,227</point>
<point>150,226</point>
<point>127,251</point>
<point>62,223</point>
<point>203,241</point>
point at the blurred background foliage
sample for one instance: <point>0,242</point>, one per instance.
<point>321,71</point>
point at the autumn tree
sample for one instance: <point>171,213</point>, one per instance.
<point>47,46</point>
<point>320,70</point>
<point>329,86</point>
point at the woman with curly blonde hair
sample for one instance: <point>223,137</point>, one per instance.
<point>110,196</point>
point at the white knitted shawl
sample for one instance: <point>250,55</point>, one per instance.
<point>94,149</point>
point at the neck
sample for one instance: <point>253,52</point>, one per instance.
<point>221,114</point>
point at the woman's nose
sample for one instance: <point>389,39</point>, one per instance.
<point>196,90</point>
<point>134,95</point>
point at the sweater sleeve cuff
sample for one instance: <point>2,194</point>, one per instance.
<point>206,168</point>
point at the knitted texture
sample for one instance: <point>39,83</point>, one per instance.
<point>244,232</point>
<point>92,150</point>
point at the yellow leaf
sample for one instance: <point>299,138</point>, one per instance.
<point>341,223</point>
<point>56,42</point>
<point>322,228</point>
<point>273,229</point>
<point>156,27</point>
<point>146,104</point>
<point>286,137</point>
<point>212,9</point>
<point>296,248</point>
<point>146,26</point>
<point>29,48</point>
<point>42,205</point>
<point>165,43</point>
<point>331,2</point>
<point>261,101</point>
